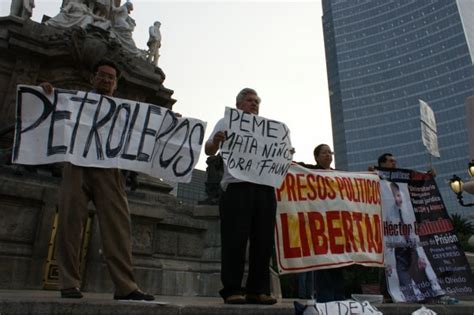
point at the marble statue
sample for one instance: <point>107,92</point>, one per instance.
<point>154,43</point>
<point>123,26</point>
<point>77,13</point>
<point>101,7</point>
<point>22,8</point>
<point>214,172</point>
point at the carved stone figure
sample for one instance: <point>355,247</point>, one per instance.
<point>123,26</point>
<point>77,13</point>
<point>214,172</point>
<point>22,8</point>
<point>101,7</point>
<point>154,43</point>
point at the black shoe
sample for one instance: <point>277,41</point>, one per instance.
<point>136,295</point>
<point>263,299</point>
<point>235,299</point>
<point>71,293</point>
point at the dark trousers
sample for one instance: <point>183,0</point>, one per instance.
<point>247,213</point>
<point>329,285</point>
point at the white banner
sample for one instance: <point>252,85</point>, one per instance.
<point>95,130</point>
<point>347,307</point>
<point>328,219</point>
<point>256,149</point>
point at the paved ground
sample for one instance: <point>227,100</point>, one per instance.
<point>48,302</point>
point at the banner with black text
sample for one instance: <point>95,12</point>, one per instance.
<point>93,130</point>
<point>423,257</point>
<point>256,149</point>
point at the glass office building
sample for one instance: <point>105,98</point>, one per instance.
<point>195,190</point>
<point>383,56</point>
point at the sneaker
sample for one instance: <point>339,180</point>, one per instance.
<point>260,299</point>
<point>235,299</point>
<point>136,295</point>
<point>71,293</point>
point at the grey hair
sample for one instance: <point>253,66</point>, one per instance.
<point>242,94</point>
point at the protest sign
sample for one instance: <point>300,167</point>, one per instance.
<point>424,311</point>
<point>328,219</point>
<point>94,130</point>
<point>422,253</point>
<point>347,307</point>
<point>256,149</point>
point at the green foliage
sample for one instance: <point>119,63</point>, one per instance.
<point>464,229</point>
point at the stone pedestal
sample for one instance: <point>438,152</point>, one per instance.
<point>176,247</point>
<point>174,251</point>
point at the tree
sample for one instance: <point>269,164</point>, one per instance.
<point>464,229</point>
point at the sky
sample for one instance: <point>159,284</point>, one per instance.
<point>210,50</point>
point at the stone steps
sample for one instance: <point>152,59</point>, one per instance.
<point>48,302</point>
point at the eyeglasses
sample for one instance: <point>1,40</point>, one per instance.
<point>326,152</point>
<point>104,75</point>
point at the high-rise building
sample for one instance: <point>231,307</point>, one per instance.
<point>193,191</point>
<point>383,56</point>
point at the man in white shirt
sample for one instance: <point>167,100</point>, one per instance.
<point>247,213</point>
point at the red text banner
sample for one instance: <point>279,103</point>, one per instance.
<point>327,219</point>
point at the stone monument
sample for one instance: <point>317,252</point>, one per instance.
<point>154,43</point>
<point>123,26</point>
<point>214,173</point>
<point>77,13</point>
<point>176,246</point>
<point>22,8</point>
<point>176,250</point>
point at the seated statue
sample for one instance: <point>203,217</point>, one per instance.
<point>101,8</point>
<point>123,26</point>
<point>77,13</point>
<point>22,8</point>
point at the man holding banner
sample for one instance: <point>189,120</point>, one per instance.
<point>411,202</point>
<point>105,187</point>
<point>247,208</point>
